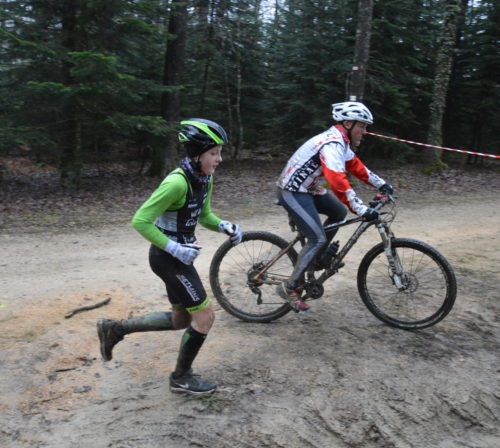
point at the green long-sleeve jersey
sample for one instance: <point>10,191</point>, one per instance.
<point>169,197</point>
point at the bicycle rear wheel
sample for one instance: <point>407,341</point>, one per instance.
<point>428,289</point>
<point>232,273</point>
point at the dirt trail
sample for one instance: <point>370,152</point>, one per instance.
<point>332,377</point>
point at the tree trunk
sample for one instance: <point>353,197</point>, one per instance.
<point>361,50</point>
<point>70,160</point>
<point>209,25</point>
<point>454,101</point>
<point>229,108</point>
<point>444,62</point>
<point>164,154</point>
<point>237,105</point>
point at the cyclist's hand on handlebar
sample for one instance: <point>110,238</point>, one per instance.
<point>233,230</point>
<point>379,200</point>
<point>386,189</point>
<point>370,214</point>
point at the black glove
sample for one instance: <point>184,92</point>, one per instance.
<point>370,214</point>
<point>386,189</point>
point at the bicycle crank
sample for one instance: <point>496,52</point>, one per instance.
<point>314,290</point>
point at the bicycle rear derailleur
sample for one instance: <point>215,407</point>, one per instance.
<point>254,284</point>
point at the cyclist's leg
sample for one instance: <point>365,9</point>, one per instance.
<point>327,204</point>
<point>305,215</point>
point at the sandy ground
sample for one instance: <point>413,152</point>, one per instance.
<point>332,377</point>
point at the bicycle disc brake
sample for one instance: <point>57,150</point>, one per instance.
<point>409,283</point>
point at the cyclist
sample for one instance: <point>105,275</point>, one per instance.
<point>168,220</point>
<point>329,155</point>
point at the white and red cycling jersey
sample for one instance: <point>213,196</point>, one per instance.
<point>328,156</point>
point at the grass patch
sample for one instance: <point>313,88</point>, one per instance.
<point>213,402</point>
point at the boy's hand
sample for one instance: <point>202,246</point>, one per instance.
<point>183,252</point>
<point>233,230</point>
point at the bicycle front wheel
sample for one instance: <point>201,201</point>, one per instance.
<point>232,276</point>
<point>427,286</point>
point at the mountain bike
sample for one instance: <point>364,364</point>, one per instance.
<point>404,282</point>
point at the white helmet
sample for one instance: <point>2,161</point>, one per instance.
<point>351,110</point>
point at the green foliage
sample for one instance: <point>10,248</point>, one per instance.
<point>95,68</point>
<point>310,62</point>
<point>401,71</point>
<point>392,153</point>
<point>24,136</point>
<point>473,113</point>
<point>129,125</point>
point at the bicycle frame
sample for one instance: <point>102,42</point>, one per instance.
<point>334,266</point>
<point>385,233</point>
<point>403,282</point>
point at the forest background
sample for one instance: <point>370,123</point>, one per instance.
<point>93,80</point>
<point>91,94</point>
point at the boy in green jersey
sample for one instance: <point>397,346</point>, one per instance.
<point>168,220</point>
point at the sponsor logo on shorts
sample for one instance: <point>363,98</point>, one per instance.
<point>189,287</point>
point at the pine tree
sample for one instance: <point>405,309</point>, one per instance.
<point>399,79</point>
<point>310,62</point>
<point>80,64</point>
<point>473,112</point>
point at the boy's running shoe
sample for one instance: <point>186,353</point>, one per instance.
<point>108,337</point>
<point>189,383</point>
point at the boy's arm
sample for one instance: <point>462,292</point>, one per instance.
<point>171,191</point>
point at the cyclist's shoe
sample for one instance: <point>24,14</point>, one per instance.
<point>292,296</point>
<point>302,305</point>
<point>190,384</point>
<point>109,335</point>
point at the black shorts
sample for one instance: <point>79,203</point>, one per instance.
<point>184,287</point>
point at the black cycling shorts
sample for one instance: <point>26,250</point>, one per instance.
<point>184,287</point>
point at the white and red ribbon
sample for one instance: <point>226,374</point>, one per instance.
<point>434,146</point>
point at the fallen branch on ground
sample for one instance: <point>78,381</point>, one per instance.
<point>86,308</point>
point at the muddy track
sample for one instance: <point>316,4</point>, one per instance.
<point>332,377</point>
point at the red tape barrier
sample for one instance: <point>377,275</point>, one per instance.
<point>433,146</point>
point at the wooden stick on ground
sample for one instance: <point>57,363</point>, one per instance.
<point>86,308</point>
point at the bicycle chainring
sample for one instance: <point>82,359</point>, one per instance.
<point>314,290</point>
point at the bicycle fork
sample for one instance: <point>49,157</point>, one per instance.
<point>395,265</point>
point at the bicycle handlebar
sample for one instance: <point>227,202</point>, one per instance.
<point>380,200</point>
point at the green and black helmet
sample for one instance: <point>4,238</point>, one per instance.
<point>199,135</point>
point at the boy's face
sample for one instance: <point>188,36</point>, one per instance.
<point>210,159</point>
